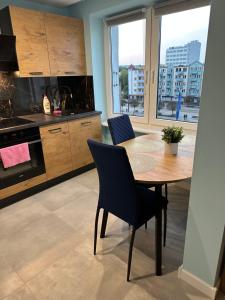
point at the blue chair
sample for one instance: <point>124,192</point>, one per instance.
<point>121,130</point>
<point>119,195</point>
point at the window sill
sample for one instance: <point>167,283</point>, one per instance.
<point>146,129</point>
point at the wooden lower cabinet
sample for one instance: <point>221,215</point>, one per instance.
<point>65,145</point>
<point>56,148</point>
<point>80,130</point>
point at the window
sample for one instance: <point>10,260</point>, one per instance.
<point>158,86</point>
<point>191,34</point>
<point>128,64</point>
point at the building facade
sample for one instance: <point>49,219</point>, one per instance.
<point>135,80</point>
<point>183,55</point>
<point>184,81</point>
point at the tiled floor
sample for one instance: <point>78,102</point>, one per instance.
<point>46,249</point>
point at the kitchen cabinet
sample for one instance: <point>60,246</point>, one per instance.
<point>46,44</point>
<point>31,44</point>
<point>80,131</point>
<point>65,39</point>
<point>56,149</point>
<point>65,149</point>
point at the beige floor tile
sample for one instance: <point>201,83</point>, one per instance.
<point>32,249</point>
<point>47,240</point>
<point>80,213</point>
<point>61,194</point>
<point>9,280</point>
<point>23,293</point>
<point>89,179</point>
<point>18,216</point>
<point>80,275</point>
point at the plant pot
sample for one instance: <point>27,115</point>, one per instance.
<point>171,148</point>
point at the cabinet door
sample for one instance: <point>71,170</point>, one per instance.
<point>65,38</point>
<point>31,43</point>
<point>56,148</point>
<point>80,131</point>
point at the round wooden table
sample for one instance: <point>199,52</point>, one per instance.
<point>152,166</point>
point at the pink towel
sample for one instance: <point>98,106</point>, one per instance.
<point>14,155</point>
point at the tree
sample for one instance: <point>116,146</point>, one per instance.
<point>172,106</point>
<point>124,81</point>
<point>123,102</point>
<point>134,102</point>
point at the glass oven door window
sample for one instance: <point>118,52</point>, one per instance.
<point>26,170</point>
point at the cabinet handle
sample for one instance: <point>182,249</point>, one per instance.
<point>85,123</point>
<point>55,130</point>
<point>36,73</point>
<point>70,73</point>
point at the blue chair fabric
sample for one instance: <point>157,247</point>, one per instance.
<point>121,129</point>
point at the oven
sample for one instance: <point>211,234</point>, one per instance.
<point>26,170</point>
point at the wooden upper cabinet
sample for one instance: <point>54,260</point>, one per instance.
<point>31,43</point>
<point>65,39</point>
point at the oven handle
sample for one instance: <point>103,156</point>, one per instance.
<point>34,142</point>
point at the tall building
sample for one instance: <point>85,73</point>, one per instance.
<point>183,55</point>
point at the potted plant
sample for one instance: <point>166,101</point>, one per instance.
<point>172,136</point>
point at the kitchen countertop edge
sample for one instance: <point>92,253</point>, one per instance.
<point>41,119</point>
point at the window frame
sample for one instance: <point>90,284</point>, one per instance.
<point>152,64</point>
<point>108,76</point>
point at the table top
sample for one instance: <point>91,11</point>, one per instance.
<point>151,165</point>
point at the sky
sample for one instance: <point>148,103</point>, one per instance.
<point>176,30</point>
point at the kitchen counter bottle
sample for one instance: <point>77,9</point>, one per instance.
<point>46,105</point>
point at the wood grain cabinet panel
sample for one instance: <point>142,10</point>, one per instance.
<point>65,39</point>
<point>31,43</point>
<point>56,148</point>
<point>80,131</point>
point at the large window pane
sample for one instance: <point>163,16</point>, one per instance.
<point>182,58</point>
<point>128,67</point>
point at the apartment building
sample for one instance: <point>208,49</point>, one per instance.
<point>184,80</point>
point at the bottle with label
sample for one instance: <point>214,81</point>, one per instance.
<point>46,105</point>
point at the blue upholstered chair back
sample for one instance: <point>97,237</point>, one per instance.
<point>121,129</point>
<point>117,187</point>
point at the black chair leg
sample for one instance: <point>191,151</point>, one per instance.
<point>166,192</point>
<point>165,226</point>
<point>146,225</point>
<point>165,217</point>
<point>130,253</point>
<point>104,223</point>
<point>96,230</point>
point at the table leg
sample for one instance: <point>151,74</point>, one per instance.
<point>158,234</point>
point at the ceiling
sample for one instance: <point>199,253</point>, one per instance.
<point>58,3</point>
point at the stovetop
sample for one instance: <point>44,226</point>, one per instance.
<point>12,122</point>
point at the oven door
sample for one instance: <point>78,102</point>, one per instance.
<point>24,171</point>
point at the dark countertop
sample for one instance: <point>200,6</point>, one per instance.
<point>42,120</point>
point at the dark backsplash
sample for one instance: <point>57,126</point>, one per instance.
<point>21,96</point>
